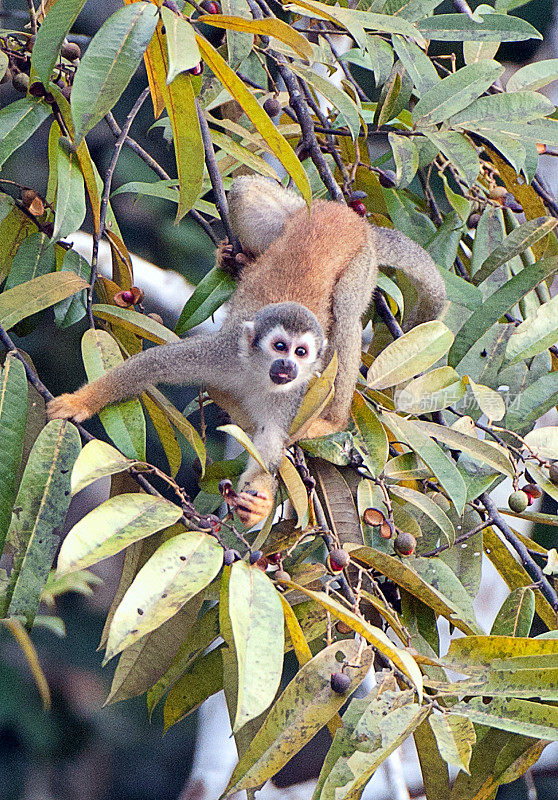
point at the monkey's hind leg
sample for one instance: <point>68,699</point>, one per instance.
<point>350,301</point>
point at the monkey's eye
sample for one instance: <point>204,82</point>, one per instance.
<point>301,352</point>
<point>280,346</point>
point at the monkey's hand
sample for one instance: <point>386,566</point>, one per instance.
<point>254,501</point>
<point>229,262</point>
<point>76,406</point>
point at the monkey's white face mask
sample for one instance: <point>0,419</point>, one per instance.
<point>284,359</point>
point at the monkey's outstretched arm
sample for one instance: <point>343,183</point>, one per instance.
<point>193,361</point>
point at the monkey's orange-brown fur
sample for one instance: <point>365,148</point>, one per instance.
<point>306,262</point>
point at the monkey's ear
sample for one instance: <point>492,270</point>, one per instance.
<point>249,331</point>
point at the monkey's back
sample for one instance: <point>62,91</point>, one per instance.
<point>306,261</point>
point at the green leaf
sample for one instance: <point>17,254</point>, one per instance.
<point>543,442</point>
<point>144,661</point>
<point>516,614</point>
<point>420,68</point>
<point>272,136</point>
<point>455,737</point>
<point>54,28</point>
<point>488,400</point>
<point>28,298</point>
<point>180,423</point>
<point>140,324</point>
<point>459,150</point>
<point>178,570</point>
<point>428,507</point>
<point>13,415</point>
<point>375,636</point>
<point>112,526</point>
<point>406,157</point>
<point>112,57</point>
<point>534,76</point>
<point>202,679</point>
<point>493,28</point>
<point>456,91</point>
<point>539,720</point>
<point>182,49</point>
<point>486,452</point>
<point>69,311</point>
<point>35,257</point>
<point>39,510</point>
<point>70,193</point>
<point>373,433</point>
<point>188,145</point>
<point>257,625</point>
<point>432,391</point>
<point>534,401</point>
<point>318,394</point>
<point>339,98</point>
<point>212,291</point>
<point>97,460</point>
<point>441,465</point>
<point>350,19</point>
<point>124,422</point>
<point>497,109</point>
<point>430,588</point>
<point>519,240</point>
<point>243,439</point>
<point>535,334</point>
<point>410,354</point>
<point>201,634</point>
<point>498,304</point>
<point>305,706</point>
<point>389,729</point>
<point>298,495</point>
<point>19,121</point>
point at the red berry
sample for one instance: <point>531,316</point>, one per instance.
<point>197,70</point>
<point>274,558</point>
<point>128,296</point>
<point>210,7</point>
<point>358,207</point>
<point>404,544</point>
<point>337,560</point>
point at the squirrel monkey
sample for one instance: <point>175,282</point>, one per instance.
<point>306,282</point>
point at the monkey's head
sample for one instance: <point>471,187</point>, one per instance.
<point>285,343</point>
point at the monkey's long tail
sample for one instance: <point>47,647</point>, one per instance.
<point>394,249</point>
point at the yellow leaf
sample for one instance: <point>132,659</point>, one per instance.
<point>264,27</point>
<point>257,115</point>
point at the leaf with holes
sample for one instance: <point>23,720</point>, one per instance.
<point>177,571</point>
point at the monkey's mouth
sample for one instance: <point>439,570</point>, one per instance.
<point>282,371</point>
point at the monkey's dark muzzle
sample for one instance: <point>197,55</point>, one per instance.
<point>283,371</point>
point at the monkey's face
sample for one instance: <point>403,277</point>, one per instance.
<point>285,357</point>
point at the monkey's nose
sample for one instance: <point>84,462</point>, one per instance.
<point>282,371</point>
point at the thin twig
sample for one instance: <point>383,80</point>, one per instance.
<point>545,195</point>
<point>32,16</point>
<point>99,233</point>
<point>529,564</point>
<point>148,159</point>
<point>216,179</point>
<point>458,539</point>
<point>385,314</point>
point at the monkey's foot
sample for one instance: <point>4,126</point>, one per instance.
<point>253,506</point>
<point>322,427</point>
<point>69,406</point>
<point>228,261</point>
